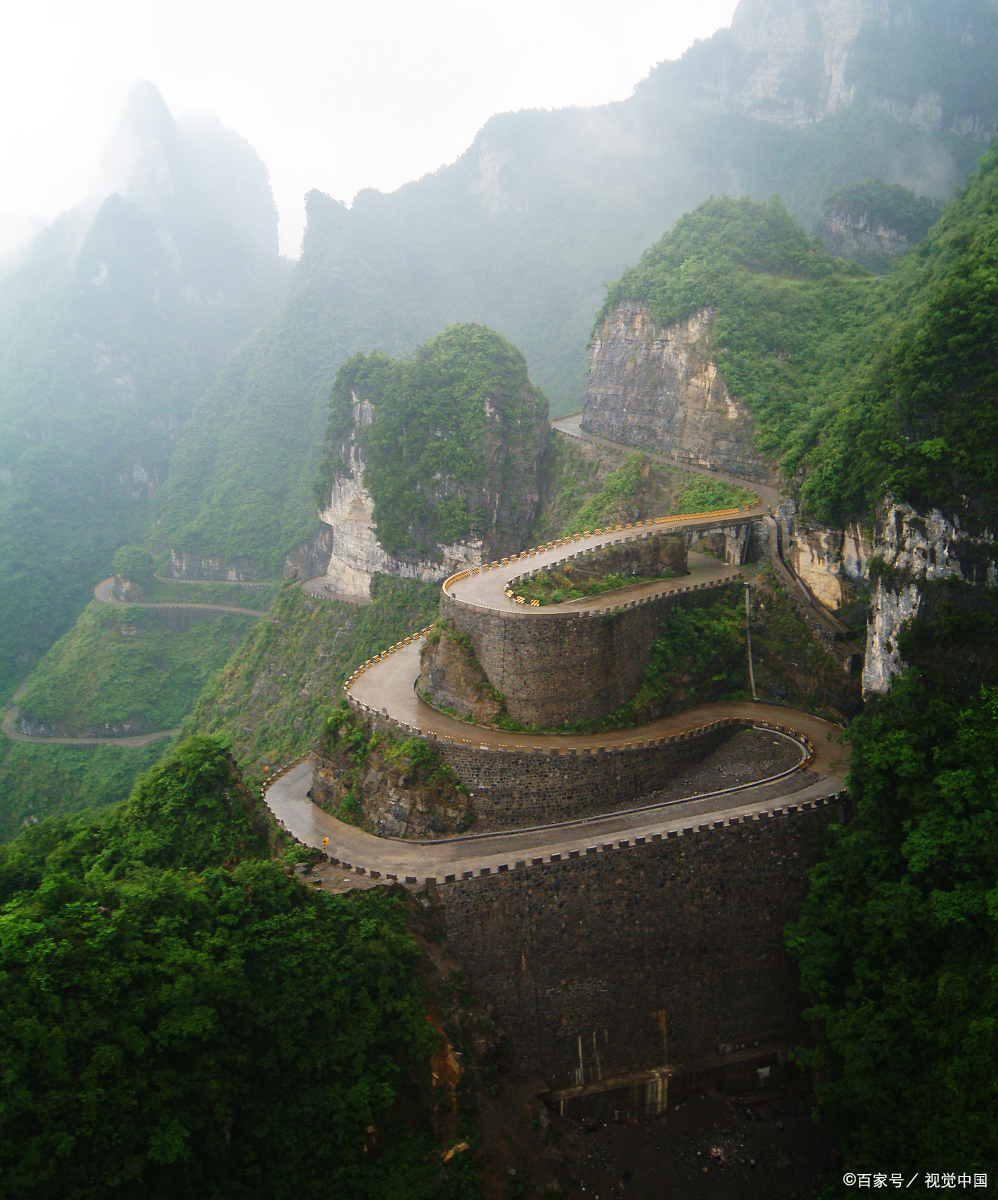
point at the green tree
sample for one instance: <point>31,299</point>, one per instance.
<point>898,938</point>
<point>134,563</point>
<point>182,1018</point>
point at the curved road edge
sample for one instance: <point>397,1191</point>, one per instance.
<point>353,849</point>
<point>103,593</point>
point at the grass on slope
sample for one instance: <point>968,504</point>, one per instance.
<point>273,698</point>
<point>42,781</point>
<point>122,665</point>
<point>701,494</point>
<point>582,496</point>
<point>183,591</point>
<point>555,586</point>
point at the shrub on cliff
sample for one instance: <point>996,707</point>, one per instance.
<point>135,564</point>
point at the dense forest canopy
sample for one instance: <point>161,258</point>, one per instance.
<point>453,427</point>
<point>184,1018</point>
<point>898,939</point>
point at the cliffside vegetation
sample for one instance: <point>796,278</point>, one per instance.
<point>129,668</point>
<point>588,487</point>
<point>273,697</point>
<point>453,450</point>
<point>919,417</point>
<point>789,320</point>
<point>392,786</point>
<point>183,1017</point>
<point>872,222</point>
<point>887,204</point>
<point>869,385</point>
<point>898,939</point>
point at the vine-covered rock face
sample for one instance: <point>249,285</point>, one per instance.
<point>433,461</point>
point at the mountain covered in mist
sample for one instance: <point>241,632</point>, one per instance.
<point>520,233</point>
<point>115,322</point>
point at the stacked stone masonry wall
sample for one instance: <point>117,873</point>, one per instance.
<point>669,955</point>
<point>517,787</point>
<point>560,668</point>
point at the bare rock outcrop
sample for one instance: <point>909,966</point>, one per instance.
<point>659,389</point>
<point>912,550</point>
<point>452,678</point>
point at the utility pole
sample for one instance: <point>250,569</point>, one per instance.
<point>748,635</point>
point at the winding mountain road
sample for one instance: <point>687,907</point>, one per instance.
<point>386,686</point>
<point>103,592</point>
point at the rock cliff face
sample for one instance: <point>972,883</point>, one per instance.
<point>199,566</point>
<point>827,560</point>
<point>450,677</point>
<point>659,389</point>
<point>912,550</point>
<point>510,496</point>
<point>865,239</point>
<point>795,62</point>
<point>356,556</point>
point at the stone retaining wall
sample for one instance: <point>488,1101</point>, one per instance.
<point>557,667</point>
<point>517,787</point>
<point>668,956</point>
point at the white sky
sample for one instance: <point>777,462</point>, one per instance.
<point>336,96</point>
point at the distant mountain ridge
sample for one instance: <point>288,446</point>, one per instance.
<point>796,62</point>
<point>111,327</point>
<point>521,232</point>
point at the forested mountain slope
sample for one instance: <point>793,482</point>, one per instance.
<point>865,386</point>
<point>522,230</point>
<point>111,327</point>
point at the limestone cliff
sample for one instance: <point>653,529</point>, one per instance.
<point>865,239</point>
<point>796,62</point>
<point>827,560</point>
<point>355,555</point>
<point>659,389</point>
<point>202,566</point>
<point>912,550</point>
<point>897,558</point>
<point>509,496</point>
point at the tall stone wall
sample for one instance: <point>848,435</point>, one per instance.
<point>514,788</point>
<point>667,956</point>
<point>557,669</point>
